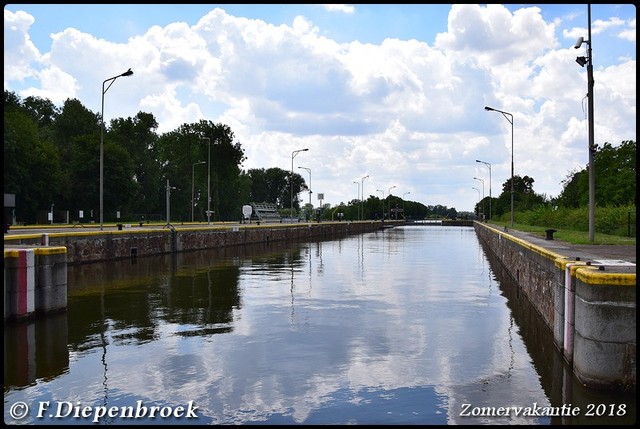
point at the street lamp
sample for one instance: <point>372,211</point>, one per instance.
<point>309,170</point>
<point>477,178</point>
<point>104,91</point>
<point>403,212</point>
<point>592,177</point>
<point>478,193</point>
<point>511,122</point>
<point>293,155</point>
<point>380,190</point>
<point>488,165</point>
<point>193,171</point>
<point>358,200</point>
<point>208,179</point>
<point>388,195</point>
<point>168,196</point>
<point>362,197</point>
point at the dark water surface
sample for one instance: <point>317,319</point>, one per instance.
<point>410,325</point>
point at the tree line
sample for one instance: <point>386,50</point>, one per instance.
<point>615,185</point>
<point>52,163</point>
<point>51,159</point>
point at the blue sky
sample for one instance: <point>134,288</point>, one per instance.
<point>367,23</point>
<point>395,92</point>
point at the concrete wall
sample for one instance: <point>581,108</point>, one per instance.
<point>589,307</point>
<point>604,341</point>
<point>95,246</point>
<point>35,281</point>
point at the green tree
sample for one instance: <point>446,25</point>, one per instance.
<point>273,185</point>
<point>43,111</point>
<point>76,135</point>
<point>524,197</point>
<point>213,143</point>
<point>615,174</point>
<point>138,137</point>
<point>571,195</point>
<point>615,178</point>
<point>31,167</point>
<point>78,138</point>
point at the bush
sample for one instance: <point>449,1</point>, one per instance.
<point>620,221</point>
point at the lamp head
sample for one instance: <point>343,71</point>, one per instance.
<point>581,60</point>
<point>488,108</point>
<point>127,73</point>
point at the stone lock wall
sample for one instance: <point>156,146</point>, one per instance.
<point>590,308</point>
<point>92,246</point>
<point>532,268</point>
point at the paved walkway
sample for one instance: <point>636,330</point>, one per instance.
<point>586,252</point>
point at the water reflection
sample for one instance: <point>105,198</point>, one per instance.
<point>304,333</point>
<point>35,351</point>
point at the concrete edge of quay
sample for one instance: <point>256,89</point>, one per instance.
<point>589,304</point>
<point>35,281</point>
<point>96,245</point>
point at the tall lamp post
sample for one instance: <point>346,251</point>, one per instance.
<point>388,195</point>
<point>293,155</point>
<point>488,165</point>
<point>380,190</point>
<point>208,179</point>
<point>309,170</point>
<point>362,195</point>
<point>478,193</point>
<point>193,173</point>
<point>403,212</point>
<point>509,118</point>
<point>477,178</point>
<point>104,91</point>
<point>358,200</point>
<point>592,177</point>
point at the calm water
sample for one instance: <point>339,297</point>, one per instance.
<point>411,325</point>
